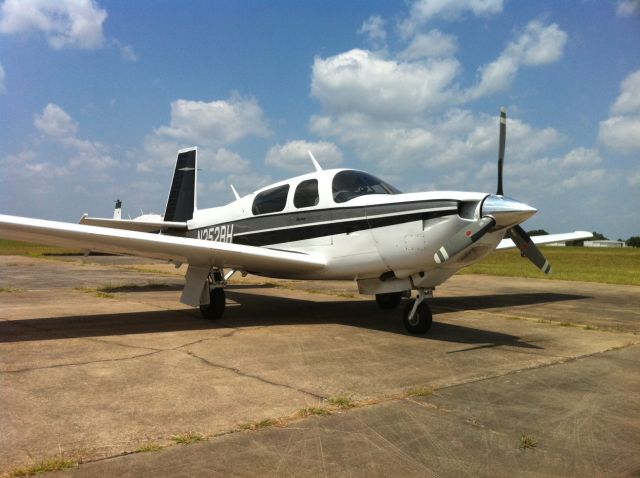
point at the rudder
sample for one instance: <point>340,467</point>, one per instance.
<point>182,195</point>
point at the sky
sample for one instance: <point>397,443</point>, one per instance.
<point>96,97</point>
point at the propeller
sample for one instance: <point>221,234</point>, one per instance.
<point>498,212</point>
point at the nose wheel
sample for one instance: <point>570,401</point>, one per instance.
<point>417,315</point>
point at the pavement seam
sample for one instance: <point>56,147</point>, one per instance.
<point>248,375</point>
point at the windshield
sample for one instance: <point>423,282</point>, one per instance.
<point>351,184</point>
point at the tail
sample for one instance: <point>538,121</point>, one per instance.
<point>182,196</point>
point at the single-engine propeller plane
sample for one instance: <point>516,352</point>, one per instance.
<point>328,224</point>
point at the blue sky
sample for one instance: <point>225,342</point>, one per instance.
<point>96,98</point>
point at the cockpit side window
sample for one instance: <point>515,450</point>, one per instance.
<point>306,194</point>
<point>351,184</point>
<point>271,200</point>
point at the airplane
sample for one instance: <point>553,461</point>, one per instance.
<point>328,224</point>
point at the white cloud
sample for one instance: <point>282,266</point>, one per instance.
<point>214,123</point>
<point>423,11</point>
<point>628,102</point>
<point>55,122</point>
<point>3,88</point>
<point>65,23</point>
<point>89,157</point>
<point>209,125</point>
<point>628,8</point>
<point>621,132</point>
<point>293,156</point>
<point>373,28</point>
<point>431,44</point>
<point>537,45</point>
<point>361,81</point>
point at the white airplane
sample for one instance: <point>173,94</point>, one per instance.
<point>329,224</point>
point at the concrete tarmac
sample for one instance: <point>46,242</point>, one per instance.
<point>517,376</point>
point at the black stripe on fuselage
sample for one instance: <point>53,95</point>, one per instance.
<point>310,224</point>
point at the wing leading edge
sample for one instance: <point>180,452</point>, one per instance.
<point>177,249</point>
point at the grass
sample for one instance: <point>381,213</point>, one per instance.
<point>49,464</point>
<point>258,425</point>
<point>341,402</point>
<point>187,438</point>
<point>8,289</point>
<point>95,292</point>
<point>587,264</point>
<point>527,442</point>
<point>19,248</point>
<point>147,447</point>
<point>306,412</point>
<point>419,392</point>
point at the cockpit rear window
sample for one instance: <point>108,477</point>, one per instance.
<point>271,200</point>
<point>351,184</point>
<point>306,194</point>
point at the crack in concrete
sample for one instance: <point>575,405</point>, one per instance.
<point>75,364</point>
<point>255,377</point>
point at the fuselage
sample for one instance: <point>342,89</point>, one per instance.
<point>364,228</point>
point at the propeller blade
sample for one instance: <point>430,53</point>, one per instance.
<point>464,238</point>
<point>529,249</point>
<point>503,139</point>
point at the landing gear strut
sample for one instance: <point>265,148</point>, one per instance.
<point>417,314</point>
<point>217,302</point>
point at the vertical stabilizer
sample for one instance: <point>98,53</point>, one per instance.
<point>117,212</point>
<point>182,196</point>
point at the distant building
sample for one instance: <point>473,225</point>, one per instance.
<point>604,243</point>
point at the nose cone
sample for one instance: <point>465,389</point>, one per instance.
<point>506,211</point>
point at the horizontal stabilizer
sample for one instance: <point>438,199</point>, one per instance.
<point>133,225</point>
<point>548,239</point>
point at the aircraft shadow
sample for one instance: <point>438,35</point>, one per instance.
<point>258,310</point>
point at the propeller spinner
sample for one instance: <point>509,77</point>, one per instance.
<point>497,212</point>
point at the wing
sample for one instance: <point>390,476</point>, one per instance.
<point>178,249</point>
<point>548,239</point>
<point>133,225</point>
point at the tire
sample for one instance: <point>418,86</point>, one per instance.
<point>389,301</point>
<point>421,322</point>
<point>215,308</point>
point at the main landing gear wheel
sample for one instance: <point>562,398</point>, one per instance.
<point>215,308</point>
<point>389,301</point>
<point>417,316</point>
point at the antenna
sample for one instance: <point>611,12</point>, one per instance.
<point>235,193</point>
<point>315,162</point>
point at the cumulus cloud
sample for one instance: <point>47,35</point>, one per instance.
<point>65,23</point>
<point>216,122</point>
<point>3,88</point>
<point>293,156</point>
<point>362,81</point>
<point>374,29</point>
<point>212,126</point>
<point>538,45</point>
<point>431,44</point>
<point>91,157</point>
<point>621,131</point>
<point>627,8</point>
<point>423,11</point>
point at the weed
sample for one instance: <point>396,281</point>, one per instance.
<point>149,447</point>
<point>305,412</point>
<point>527,442</point>
<point>257,425</point>
<point>49,464</point>
<point>567,324</point>
<point>419,392</point>
<point>187,438</point>
<point>8,289</point>
<point>341,402</point>
<point>95,292</point>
